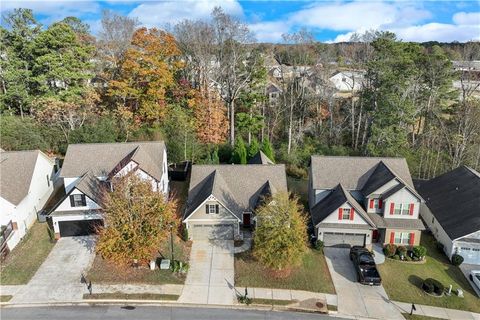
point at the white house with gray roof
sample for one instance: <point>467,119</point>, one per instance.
<point>221,198</point>
<point>363,200</point>
<point>26,183</point>
<point>88,170</point>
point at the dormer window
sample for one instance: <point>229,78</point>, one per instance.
<point>212,209</point>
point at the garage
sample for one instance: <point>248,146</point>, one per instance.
<point>78,227</point>
<point>471,255</point>
<point>339,239</point>
<point>212,231</point>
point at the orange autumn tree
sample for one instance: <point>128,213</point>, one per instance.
<point>146,73</point>
<point>137,220</point>
<point>210,118</point>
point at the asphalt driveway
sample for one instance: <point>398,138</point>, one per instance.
<point>211,274</point>
<point>353,298</point>
<point>58,278</point>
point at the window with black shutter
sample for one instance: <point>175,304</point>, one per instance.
<point>78,200</point>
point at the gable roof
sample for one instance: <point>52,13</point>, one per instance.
<point>454,200</point>
<point>238,187</point>
<point>260,158</point>
<point>90,186</point>
<point>353,173</point>
<point>16,168</point>
<point>379,177</point>
<point>102,158</point>
<point>335,199</point>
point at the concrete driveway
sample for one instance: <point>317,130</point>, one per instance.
<point>211,274</point>
<point>466,269</point>
<point>353,298</point>
<point>58,278</point>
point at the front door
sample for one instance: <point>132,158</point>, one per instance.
<point>246,219</point>
<point>375,236</point>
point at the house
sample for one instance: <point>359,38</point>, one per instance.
<point>221,198</point>
<point>347,80</point>
<point>88,170</point>
<point>452,211</point>
<point>363,200</point>
<point>26,182</point>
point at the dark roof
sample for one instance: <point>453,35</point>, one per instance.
<point>17,168</point>
<point>379,177</point>
<point>260,158</point>
<point>336,198</point>
<point>103,158</point>
<point>454,200</point>
<point>90,186</point>
<point>238,187</point>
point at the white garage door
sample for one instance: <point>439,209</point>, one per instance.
<point>470,255</point>
<point>343,239</point>
<point>212,231</point>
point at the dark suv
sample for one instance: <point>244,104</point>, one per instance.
<point>365,268</point>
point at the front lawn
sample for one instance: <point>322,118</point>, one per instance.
<point>403,281</point>
<point>311,275</point>
<point>105,272</point>
<point>131,296</point>
<point>25,259</point>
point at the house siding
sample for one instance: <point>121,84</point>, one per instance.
<point>402,196</point>
<point>200,213</point>
<point>385,236</point>
<point>437,230</point>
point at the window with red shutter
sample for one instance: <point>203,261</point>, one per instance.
<point>392,208</point>
<point>380,202</point>
<point>392,237</point>
<point>411,208</point>
<point>412,239</point>
<point>371,203</point>
<point>340,213</point>
<point>352,212</point>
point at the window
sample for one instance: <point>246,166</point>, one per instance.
<point>402,209</point>
<point>48,181</point>
<point>377,203</point>
<point>78,200</point>
<point>402,237</point>
<point>433,220</point>
<point>212,208</point>
<point>346,214</point>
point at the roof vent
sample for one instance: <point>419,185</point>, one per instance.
<point>456,188</point>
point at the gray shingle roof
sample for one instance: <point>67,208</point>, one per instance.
<point>454,200</point>
<point>379,177</point>
<point>237,186</point>
<point>103,158</point>
<point>408,224</point>
<point>353,172</point>
<point>337,197</point>
<point>16,170</point>
<point>91,187</point>
<point>260,158</point>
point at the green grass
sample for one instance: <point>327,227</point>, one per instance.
<point>418,317</point>
<point>331,307</point>
<point>105,272</point>
<point>403,281</point>
<point>311,275</point>
<point>272,302</point>
<point>5,298</point>
<point>131,296</point>
<point>25,259</point>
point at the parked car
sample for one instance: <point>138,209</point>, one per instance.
<point>475,277</point>
<point>365,267</point>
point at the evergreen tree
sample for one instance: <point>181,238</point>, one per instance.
<point>215,158</point>
<point>268,149</point>
<point>253,148</point>
<point>239,151</point>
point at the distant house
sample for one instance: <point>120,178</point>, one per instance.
<point>26,182</point>
<point>347,81</point>
<point>221,198</point>
<point>452,211</point>
<point>273,92</point>
<point>362,200</point>
<point>88,170</point>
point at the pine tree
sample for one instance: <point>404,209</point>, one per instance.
<point>239,151</point>
<point>215,158</point>
<point>268,149</point>
<point>253,148</point>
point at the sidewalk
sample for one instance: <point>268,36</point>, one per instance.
<point>436,312</point>
<point>285,294</point>
<point>175,289</point>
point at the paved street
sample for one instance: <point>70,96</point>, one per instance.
<point>144,313</point>
<point>58,278</point>
<point>353,298</point>
<point>211,275</point>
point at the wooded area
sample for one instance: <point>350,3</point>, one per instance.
<point>202,87</point>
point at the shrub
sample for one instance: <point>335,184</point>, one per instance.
<point>390,250</point>
<point>319,245</point>
<point>433,286</point>
<point>185,233</point>
<point>396,257</point>
<point>296,172</point>
<point>402,251</point>
<point>408,258</point>
<point>457,259</point>
<point>419,252</point>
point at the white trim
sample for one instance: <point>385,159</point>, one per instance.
<point>211,198</point>
<point>405,186</point>
<point>457,239</point>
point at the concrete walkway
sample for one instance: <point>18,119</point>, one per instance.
<point>210,279</point>
<point>285,294</point>
<point>10,290</point>
<point>436,312</point>
<point>355,299</point>
<point>58,278</point>
<point>466,269</point>
<point>379,256</point>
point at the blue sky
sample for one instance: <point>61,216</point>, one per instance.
<point>330,21</point>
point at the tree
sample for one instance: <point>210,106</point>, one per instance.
<point>253,148</point>
<point>239,152</point>
<point>268,149</point>
<point>210,119</point>
<point>146,74</point>
<point>137,220</point>
<point>281,233</point>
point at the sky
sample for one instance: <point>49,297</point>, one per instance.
<point>329,21</point>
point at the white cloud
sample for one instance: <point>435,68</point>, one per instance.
<point>467,18</point>
<point>171,12</point>
<point>269,31</point>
